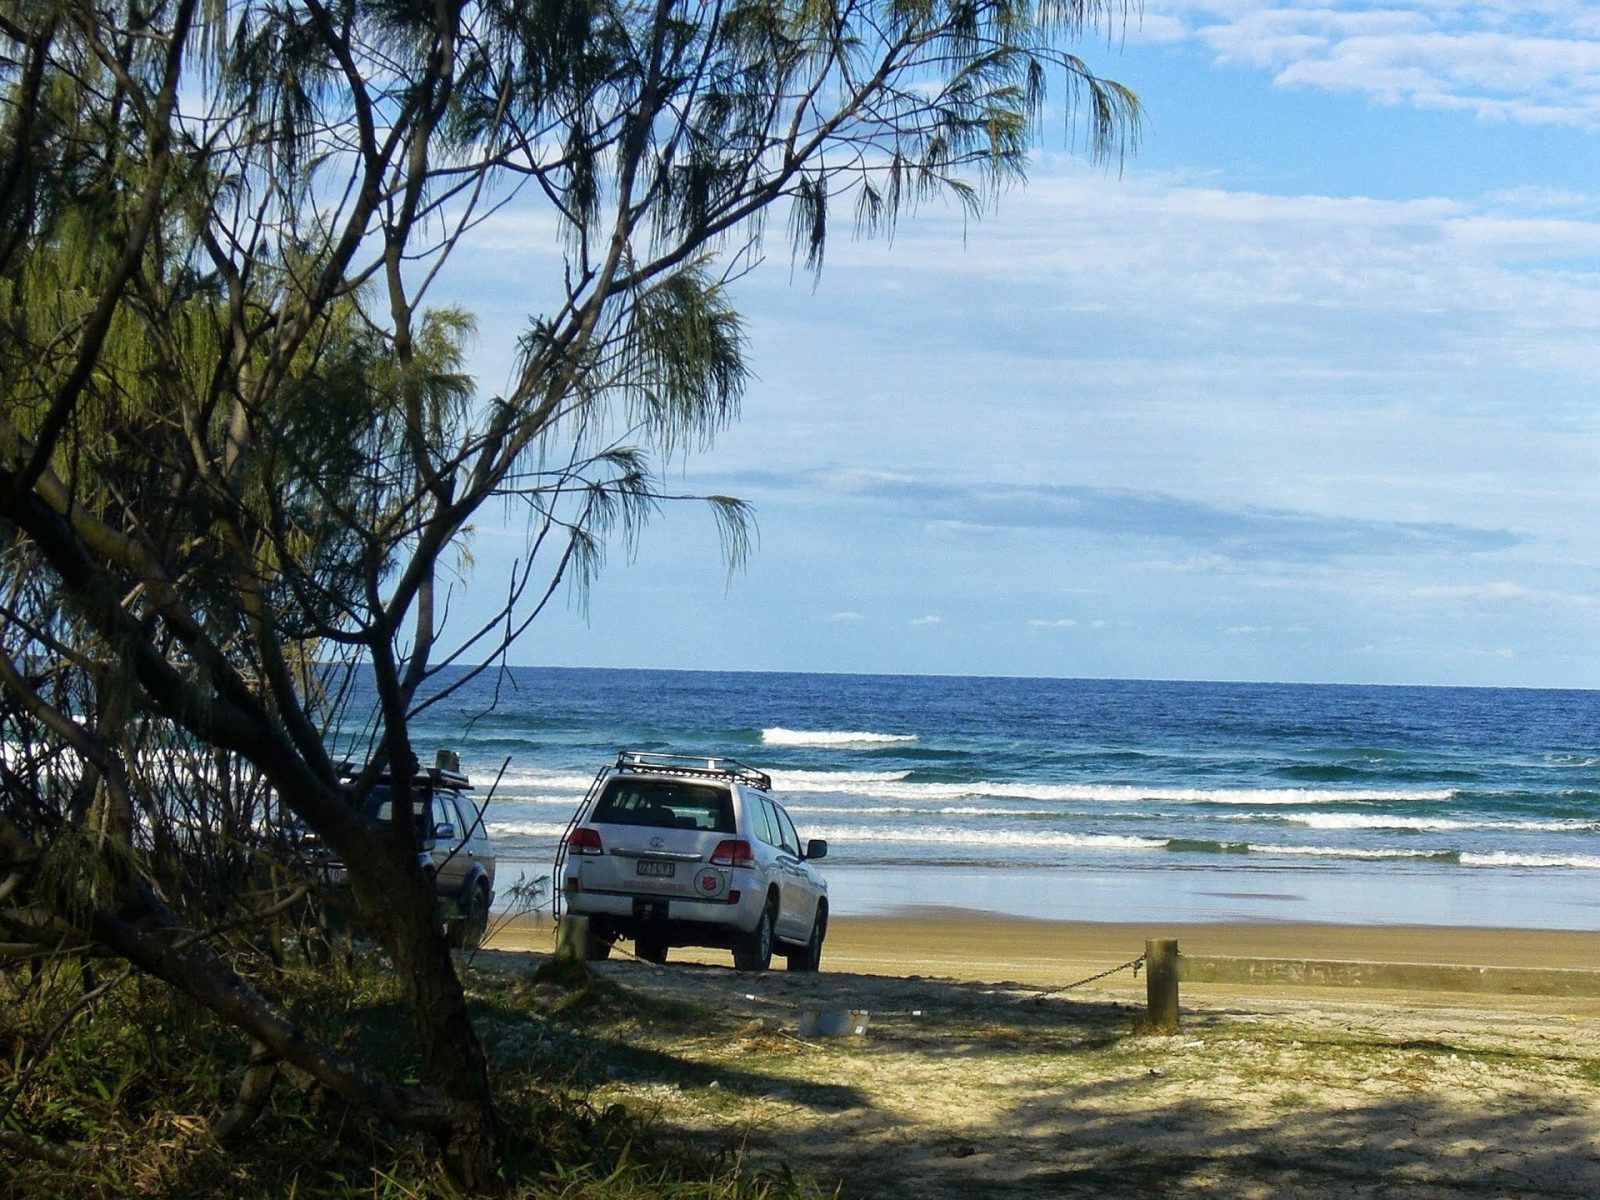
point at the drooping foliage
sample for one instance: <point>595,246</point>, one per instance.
<point>239,454</point>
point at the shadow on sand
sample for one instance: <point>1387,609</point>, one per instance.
<point>970,1089</point>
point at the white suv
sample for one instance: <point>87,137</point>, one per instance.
<point>675,851</point>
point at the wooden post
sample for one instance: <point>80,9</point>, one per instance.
<point>1161,982</point>
<point>572,939</point>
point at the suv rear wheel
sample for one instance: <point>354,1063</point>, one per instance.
<point>468,932</point>
<point>754,951</point>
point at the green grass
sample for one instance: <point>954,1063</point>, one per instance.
<point>135,1078</point>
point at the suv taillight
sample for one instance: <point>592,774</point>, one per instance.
<point>585,841</point>
<point>735,852</point>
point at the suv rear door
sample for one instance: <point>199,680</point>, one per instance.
<point>799,895</point>
<point>655,831</point>
<point>450,865</point>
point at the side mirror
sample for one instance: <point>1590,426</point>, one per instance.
<point>444,830</point>
<point>817,848</point>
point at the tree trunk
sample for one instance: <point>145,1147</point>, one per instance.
<point>452,1057</point>
<point>399,908</point>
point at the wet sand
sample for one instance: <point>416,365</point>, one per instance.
<point>964,945</point>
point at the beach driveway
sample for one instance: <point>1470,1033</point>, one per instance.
<point>963,1089</point>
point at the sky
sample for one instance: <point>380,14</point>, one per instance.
<point>1305,391</point>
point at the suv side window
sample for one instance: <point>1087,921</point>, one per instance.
<point>446,813</point>
<point>787,836</point>
<point>469,826</point>
<point>761,822</point>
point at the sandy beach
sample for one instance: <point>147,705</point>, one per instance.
<point>978,1075</point>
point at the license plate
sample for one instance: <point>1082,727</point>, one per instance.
<point>665,870</point>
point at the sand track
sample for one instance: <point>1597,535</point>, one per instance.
<point>998,1089</point>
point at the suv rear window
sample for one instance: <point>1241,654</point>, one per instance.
<point>380,807</point>
<point>665,804</point>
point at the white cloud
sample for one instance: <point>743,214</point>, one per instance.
<point>1500,589</point>
<point>847,616</point>
<point>1220,283</point>
<point>1061,623</point>
<point>1197,564</point>
<point>1411,648</point>
<point>1532,197</point>
<point>1535,63</point>
<point>1505,653</point>
<point>963,528</point>
<point>1153,28</point>
<point>929,619</point>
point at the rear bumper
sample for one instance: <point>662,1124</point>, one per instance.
<point>681,920</point>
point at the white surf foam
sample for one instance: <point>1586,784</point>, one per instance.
<point>1374,854</point>
<point>831,781</point>
<point>896,785</point>
<point>1500,858</point>
<point>900,810</point>
<point>556,787</point>
<point>521,779</point>
<point>504,801</point>
<point>1416,824</point>
<point>778,736</point>
<point>526,829</point>
<point>910,792</point>
<point>947,835</point>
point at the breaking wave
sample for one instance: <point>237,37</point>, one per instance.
<point>908,791</point>
<point>1586,862</point>
<point>778,736</point>
<point>1414,824</point>
<point>949,835</point>
<point>832,781</point>
<point>526,829</point>
<point>1375,854</point>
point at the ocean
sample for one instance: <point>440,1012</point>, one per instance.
<point>1101,800</point>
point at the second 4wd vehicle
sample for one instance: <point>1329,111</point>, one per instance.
<point>453,848</point>
<point>676,851</point>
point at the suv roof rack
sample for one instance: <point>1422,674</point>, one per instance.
<point>431,776</point>
<point>644,761</point>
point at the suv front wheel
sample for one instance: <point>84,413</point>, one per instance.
<point>754,951</point>
<point>809,957</point>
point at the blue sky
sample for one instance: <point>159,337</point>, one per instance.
<point>1307,391</point>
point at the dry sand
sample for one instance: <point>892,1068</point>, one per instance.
<point>975,1077</point>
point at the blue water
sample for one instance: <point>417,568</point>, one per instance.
<point>1095,799</point>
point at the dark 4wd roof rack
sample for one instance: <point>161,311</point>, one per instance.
<point>644,762</point>
<point>436,776</point>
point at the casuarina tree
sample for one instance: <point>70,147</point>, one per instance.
<point>239,453</point>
